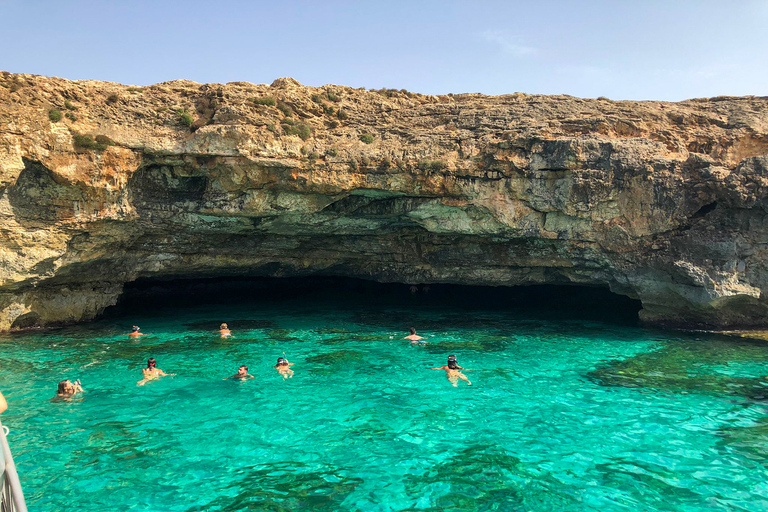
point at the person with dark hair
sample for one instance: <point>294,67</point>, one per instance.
<point>68,389</point>
<point>135,332</point>
<point>242,374</point>
<point>415,338</point>
<point>152,372</point>
<point>452,371</point>
<point>284,367</point>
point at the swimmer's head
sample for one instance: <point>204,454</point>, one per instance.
<point>243,369</point>
<point>413,330</point>
<point>151,362</point>
<point>223,326</point>
<point>281,360</point>
<point>135,328</point>
<point>452,362</point>
<point>64,387</point>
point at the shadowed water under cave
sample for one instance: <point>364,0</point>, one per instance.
<point>573,406</point>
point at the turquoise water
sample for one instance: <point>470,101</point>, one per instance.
<point>563,414</point>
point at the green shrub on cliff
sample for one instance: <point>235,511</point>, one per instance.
<point>54,115</point>
<point>85,141</point>
<point>341,114</point>
<point>285,109</point>
<point>185,117</point>
<point>333,97</point>
<point>269,101</point>
<point>69,106</point>
<point>300,129</point>
<point>367,138</point>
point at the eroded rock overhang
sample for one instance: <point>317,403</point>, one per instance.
<point>662,202</point>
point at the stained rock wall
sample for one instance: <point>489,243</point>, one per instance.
<point>663,202</point>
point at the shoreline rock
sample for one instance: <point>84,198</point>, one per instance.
<point>662,202</point>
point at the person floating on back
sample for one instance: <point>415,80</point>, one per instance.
<point>452,371</point>
<point>68,389</point>
<point>152,372</point>
<point>224,331</point>
<point>284,367</point>
<point>415,338</point>
<point>242,374</point>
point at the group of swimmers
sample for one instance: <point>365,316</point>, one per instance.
<point>68,389</point>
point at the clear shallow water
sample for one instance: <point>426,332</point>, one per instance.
<point>562,414</point>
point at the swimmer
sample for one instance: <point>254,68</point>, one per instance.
<point>68,389</point>
<point>224,331</point>
<point>284,367</point>
<point>135,332</point>
<point>152,372</point>
<point>242,374</point>
<point>3,404</point>
<point>452,372</point>
<point>415,338</point>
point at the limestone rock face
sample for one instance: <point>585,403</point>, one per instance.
<point>664,202</point>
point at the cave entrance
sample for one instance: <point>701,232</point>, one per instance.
<point>538,301</point>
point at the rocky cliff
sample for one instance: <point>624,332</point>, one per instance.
<point>101,184</point>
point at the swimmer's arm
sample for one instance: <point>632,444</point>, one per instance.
<point>3,403</point>
<point>249,376</point>
<point>162,373</point>
<point>439,368</point>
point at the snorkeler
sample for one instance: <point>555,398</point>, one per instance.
<point>415,338</point>
<point>68,389</point>
<point>284,367</point>
<point>453,373</point>
<point>135,332</point>
<point>224,331</point>
<point>242,374</point>
<point>152,372</point>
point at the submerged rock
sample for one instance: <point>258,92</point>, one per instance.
<point>662,202</point>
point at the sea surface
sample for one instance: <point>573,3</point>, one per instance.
<point>563,414</point>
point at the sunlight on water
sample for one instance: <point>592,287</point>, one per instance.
<point>562,414</point>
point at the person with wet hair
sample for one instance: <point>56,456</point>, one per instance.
<point>224,331</point>
<point>242,374</point>
<point>452,371</point>
<point>283,367</point>
<point>415,338</point>
<point>152,372</point>
<point>135,332</point>
<point>68,389</point>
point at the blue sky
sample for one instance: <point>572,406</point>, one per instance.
<point>659,50</point>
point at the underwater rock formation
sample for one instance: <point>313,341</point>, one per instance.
<point>102,184</point>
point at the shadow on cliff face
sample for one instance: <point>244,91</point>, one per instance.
<point>377,303</point>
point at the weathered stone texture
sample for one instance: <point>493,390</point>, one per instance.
<point>664,202</point>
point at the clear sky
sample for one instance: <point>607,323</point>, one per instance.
<point>622,49</point>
